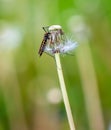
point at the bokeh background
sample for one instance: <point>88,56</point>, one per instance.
<point>30,96</point>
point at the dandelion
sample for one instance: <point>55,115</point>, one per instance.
<point>56,43</point>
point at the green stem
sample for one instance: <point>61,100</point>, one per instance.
<point>64,92</point>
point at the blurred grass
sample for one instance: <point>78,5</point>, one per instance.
<point>25,79</point>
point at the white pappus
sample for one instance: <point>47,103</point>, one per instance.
<point>67,46</point>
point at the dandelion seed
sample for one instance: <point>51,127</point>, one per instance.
<point>69,46</point>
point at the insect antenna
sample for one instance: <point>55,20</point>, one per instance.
<point>46,28</point>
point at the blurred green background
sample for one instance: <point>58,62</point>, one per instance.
<point>30,97</point>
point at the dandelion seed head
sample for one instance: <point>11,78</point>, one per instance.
<point>55,41</point>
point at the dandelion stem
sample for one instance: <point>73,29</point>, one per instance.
<point>64,92</point>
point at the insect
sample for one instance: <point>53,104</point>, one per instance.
<point>44,41</point>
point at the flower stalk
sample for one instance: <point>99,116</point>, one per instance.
<point>55,43</point>
<point>64,92</point>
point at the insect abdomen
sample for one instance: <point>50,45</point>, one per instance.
<point>43,44</point>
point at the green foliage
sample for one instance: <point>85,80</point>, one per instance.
<point>26,78</point>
